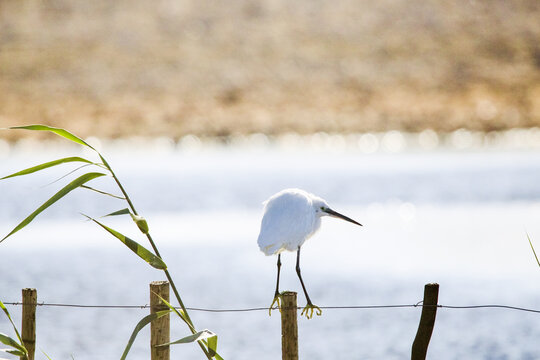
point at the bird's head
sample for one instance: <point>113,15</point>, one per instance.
<point>322,209</point>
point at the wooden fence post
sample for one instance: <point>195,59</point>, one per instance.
<point>28,328</point>
<point>427,322</point>
<point>159,328</point>
<point>289,326</point>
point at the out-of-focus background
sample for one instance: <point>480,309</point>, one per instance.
<point>173,68</point>
<point>419,119</point>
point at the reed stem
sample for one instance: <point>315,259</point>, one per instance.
<point>187,319</point>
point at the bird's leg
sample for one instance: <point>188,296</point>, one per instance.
<point>277,296</point>
<point>308,310</point>
<point>278,271</point>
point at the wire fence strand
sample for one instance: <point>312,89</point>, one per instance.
<point>252,309</point>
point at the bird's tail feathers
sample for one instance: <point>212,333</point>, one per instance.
<point>271,249</point>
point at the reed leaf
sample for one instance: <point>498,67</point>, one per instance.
<point>532,247</point>
<point>212,345</point>
<point>140,325</point>
<point>13,352</point>
<point>18,348</point>
<point>180,313</point>
<point>104,161</point>
<point>119,212</point>
<point>58,131</point>
<point>6,340</point>
<point>11,321</point>
<point>103,192</point>
<point>3,307</point>
<point>46,165</point>
<point>201,335</point>
<point>60,194</point>
<point>134,246</point>
<point>69,173</point>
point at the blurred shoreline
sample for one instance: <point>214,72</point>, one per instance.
<point>390,142</point>
<point>169,68</point>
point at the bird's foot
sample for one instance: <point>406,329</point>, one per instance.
<point>308,310</point>
<point>277,301</point>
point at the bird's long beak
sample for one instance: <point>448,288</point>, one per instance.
<point>340,216</point>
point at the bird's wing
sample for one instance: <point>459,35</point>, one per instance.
<point>285,226</point>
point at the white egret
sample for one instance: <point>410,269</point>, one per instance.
<point>290,218</point>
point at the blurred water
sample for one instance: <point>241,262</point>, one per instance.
<point>457,218</point>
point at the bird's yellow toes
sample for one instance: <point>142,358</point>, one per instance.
<point>308,311</point>
<point>277,301</point>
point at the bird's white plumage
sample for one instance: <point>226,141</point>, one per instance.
<point>290,218</point>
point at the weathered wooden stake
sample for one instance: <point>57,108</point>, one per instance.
<point>427,322</point>
<point>289,326</point>
<point>159,328</point>
<point>28,328</point>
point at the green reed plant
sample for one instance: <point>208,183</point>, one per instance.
<point>206,339</point>
<point>16,347</point>
<point>534,252</point>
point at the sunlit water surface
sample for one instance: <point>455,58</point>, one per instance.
<point>458,218</point>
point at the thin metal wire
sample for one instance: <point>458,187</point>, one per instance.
<point>81,305</point>
<point>349,307</point>
<point>490,306</point>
